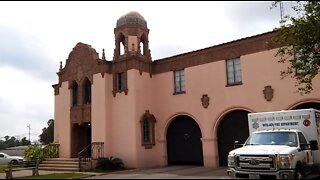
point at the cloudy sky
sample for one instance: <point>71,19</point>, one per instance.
<point>36,36</point>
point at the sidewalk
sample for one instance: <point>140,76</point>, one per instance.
<point>169,172</point>
<point>24,173</point>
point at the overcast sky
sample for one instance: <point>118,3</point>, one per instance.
<point>36,36</point>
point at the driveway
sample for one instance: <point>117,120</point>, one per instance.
<point>169,172</point>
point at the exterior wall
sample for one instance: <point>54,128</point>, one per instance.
<point>258,70</point>
<point>123,126</point>
<point>62,129</point>
<point>141,87</point>
<point>101,111</point>
<point>115,117</point>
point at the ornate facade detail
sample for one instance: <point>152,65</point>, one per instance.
<point>103,55</point>
<point>147,123</point>
<point>56,89</point>
<point>268,93</point>
<point>80,114</point>
<point>205,100</point>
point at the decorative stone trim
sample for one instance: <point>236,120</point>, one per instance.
<point>115,84</point>
<point>268,93</point>
<point>205,100</point>
<point>56,89</point>
<point>151,121</point>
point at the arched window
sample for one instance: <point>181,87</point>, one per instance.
<point>87,92</point>
<point>122,43</point>
<point>74,93</point>
<point>148,130</point>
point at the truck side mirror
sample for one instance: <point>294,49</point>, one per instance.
<point>237,144</point>
<point>314,145</point>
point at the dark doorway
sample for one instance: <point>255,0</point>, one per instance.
<point>308,105</point>
<point>233,127</point>
<point>80,138</point>
<point>184,146</point>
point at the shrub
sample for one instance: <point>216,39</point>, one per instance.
<point>110,163</point>
<point>35,152</point>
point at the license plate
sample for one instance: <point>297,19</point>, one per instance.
<point>254,176</point>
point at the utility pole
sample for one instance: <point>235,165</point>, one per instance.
<point>281,12</point>
<point>29,132</point>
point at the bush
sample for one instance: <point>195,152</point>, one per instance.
<point>35,152</point>
<point>110,163</point>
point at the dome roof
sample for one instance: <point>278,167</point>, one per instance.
<point>132,17</point>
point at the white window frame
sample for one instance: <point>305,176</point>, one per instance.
<point>179,81</point>
<point>233,67</point>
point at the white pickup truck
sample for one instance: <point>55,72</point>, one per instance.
<point>282,145</point>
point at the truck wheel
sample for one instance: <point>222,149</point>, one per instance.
<point>298,173</point>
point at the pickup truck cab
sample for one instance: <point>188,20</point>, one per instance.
<point>281,145</point>
<point>281,153</point>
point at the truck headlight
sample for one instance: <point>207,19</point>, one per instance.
<point>231,161</point>
<point>285,161</point>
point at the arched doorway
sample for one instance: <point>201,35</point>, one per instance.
<point>307,105</point>
<point>184,146</point>
<point>233,127</point>
<point>81,138</point>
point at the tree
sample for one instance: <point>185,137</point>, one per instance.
<point>13,141</point>
<point>46,136</point>
<point>24,141</point>
<point>301,39</point>
<point>3,145</point>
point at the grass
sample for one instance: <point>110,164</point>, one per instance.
<point>71,175</point>
<point>2,167</point>
<point>56,176</point>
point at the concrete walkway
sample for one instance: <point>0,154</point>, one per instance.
<point>169,172</point>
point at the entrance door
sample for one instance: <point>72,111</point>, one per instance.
<point>81,138</point>
<point>234,126</point>
<point>184,146</point>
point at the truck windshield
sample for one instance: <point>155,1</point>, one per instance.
<point>273,138</point>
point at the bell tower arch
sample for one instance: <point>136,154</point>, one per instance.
<point>131,36</point>
<point>131,50</point>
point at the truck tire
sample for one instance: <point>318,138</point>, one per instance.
<point>298,173</point>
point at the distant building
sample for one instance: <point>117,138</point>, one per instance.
<point>184,109</point>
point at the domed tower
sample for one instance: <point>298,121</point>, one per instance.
<point>131,37</point>
<point>131,50</point>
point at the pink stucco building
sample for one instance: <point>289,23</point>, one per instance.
<point>184,109</point>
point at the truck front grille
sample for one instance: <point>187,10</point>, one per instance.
<point>255,162</point>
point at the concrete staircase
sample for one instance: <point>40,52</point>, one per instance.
<point>60,164</point>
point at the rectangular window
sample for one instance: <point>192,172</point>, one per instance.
<point>179,81</point>
<point>120,82</point>
<point>234,71</point>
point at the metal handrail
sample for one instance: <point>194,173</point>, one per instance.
<point>96,151</point>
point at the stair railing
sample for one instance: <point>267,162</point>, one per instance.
<point>91,151</point>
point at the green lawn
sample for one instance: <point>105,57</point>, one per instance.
<point>2,167</point>
<point>56,176</point>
